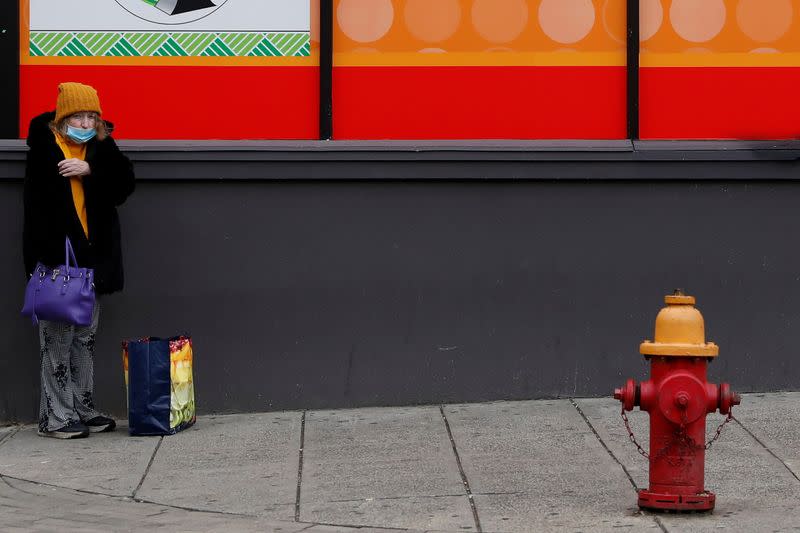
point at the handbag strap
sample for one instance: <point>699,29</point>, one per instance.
<point>69,254</point>
<point>34,316</point>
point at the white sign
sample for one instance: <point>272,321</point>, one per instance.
<point>170,15</point>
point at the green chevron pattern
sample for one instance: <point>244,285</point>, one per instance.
<point>98,43</point>
<point>169,44</point>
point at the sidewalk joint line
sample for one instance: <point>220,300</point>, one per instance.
<point>353,526</point>
<point>182,507</point>
<point>773,454</point>
<point>5,478</point>
<point>390,498</point>
<point>602,443</point>
<point>118,497</point>
<point>614,457</point>
<point>10,434</point>
<point>300,466</point>
<point>51,485</point>
<point>147,470</point>
<point>461,471</point>
<point>658,521</point>
<point>503,493</point>
<point>13,487</point>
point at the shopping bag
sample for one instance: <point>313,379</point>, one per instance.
<point>158,377</point>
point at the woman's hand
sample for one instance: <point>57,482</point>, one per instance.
<point>73,167</point>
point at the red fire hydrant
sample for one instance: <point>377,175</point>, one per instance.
<point>678,397</point>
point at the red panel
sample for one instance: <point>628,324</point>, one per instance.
<point>187,102</point>
<point>479,102</point>
<point>720,103</point>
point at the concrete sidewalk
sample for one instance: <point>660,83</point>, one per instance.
<point>555,465</point>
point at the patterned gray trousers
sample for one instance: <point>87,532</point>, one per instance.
<point>67,372</point>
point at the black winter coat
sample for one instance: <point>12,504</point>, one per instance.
<point>50,210</point>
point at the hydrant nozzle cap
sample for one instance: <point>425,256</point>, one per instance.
<point>680,330</point>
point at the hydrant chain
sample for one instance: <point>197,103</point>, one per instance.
<point>631,436</point>
<point>688,440</point>
<point>719,429</point>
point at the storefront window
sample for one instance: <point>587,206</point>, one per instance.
<point>207,69</point>
<point>451,69</point>
<point>720,69</point>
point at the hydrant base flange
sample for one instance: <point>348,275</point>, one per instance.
<point>676,502</point>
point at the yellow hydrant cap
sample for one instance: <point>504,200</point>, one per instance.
<point>680,330</point>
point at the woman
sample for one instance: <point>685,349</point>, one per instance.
<point>74,178</point>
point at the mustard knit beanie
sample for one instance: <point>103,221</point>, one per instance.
<point>74,98</point>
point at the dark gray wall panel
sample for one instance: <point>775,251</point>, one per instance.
<point>322,294</point>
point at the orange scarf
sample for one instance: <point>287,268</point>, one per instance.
<point>76,151</point>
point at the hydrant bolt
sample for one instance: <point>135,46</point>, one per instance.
<point>682,399</point>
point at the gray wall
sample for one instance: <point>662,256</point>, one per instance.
<point>330,275</point>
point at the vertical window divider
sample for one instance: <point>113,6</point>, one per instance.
<point>633,69</point>
<point>325,69</point>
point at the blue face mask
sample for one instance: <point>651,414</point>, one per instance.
<point>80,135</point>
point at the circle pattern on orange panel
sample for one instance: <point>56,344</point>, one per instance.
<point>468,31</point>
<point>764,21</point>
<point>698,21</point>
<point>651,16</point>
<point>432,21</point>
<point>724,27</point>
<point>566,21</point>
<point>365,21</point>
<point>499,21</point>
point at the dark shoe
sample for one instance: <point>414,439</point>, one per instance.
<point>73,430</point>
<point>100,424</point>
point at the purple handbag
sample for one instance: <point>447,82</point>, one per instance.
<point>62,294</point>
